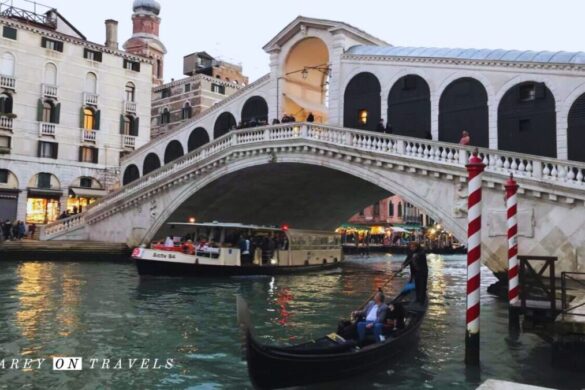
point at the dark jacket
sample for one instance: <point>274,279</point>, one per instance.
<point>418,263</point>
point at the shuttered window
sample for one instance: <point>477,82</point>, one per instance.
<point>52,44</point>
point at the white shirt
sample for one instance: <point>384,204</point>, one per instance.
<point>169,242</point>
<point>372,314</point>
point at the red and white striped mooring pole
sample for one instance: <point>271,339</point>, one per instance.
<point>475,169</point>
<point>512,210</point>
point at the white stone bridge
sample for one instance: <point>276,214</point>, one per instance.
<point>317,176</point>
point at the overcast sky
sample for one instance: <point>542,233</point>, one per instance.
<point>236,30</point>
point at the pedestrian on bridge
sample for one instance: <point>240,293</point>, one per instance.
<point>465,138</point>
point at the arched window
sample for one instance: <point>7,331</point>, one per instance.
<point>362,103</point>
<point>130,92</point>
<point>131,174</point>
<point>5,103</point>
<point>173,151</point>
<point>197,138</point>
<point>400,210</point>
<point>255,111</point>
<point>48,108</point>
<point>390,209</point>
<point>409,107</point>
<point>151,163</point>
<point>165,117</point>
<point>186,112</point>
<point>7,66</point>
<point>91,83</point>
<point>88,119</point>
<point>223,124</point>
<point>50,74</point>
<point>576,130</point>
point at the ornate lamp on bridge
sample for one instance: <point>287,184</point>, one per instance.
<point>475,169</point>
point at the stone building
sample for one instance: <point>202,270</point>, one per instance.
<point>69,108</point>
<point>208,81</point>
<point>391,210</point>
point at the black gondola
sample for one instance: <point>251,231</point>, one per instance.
<point>328,358</point>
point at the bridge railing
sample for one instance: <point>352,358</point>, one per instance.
<point>566,174</point>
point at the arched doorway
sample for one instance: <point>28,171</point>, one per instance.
<point>409,107</point>
<point>173,151</point>
<point>304,88</point>
<point>130,174</point>
<point>464,106</point>
<point>197,138</point>
<point>362,102</point>
<point>576,130</point>
<point>527,120</point>
<point>151,163</point>
<point>223,124</point>
<point>255,111</point>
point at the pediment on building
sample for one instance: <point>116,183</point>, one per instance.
<point>301,23</point>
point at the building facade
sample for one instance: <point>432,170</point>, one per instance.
<point>69,109</point>
<point>392,210</point>
<point>208,82</point>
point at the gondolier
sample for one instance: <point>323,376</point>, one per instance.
<point>419,270</point>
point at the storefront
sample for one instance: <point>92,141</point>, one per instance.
<point>80,198</point>
<point>43,206</point>
<point>8,204</point>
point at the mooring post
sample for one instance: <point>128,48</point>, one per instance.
<point>513,289</point>
<point>475,169</point>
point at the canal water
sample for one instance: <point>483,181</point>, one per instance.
<point>105,311</point>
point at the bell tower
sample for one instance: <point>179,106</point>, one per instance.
<point>145,40</point>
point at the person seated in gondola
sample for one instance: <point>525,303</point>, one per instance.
<point>394,318</point>
<point>372,318</point>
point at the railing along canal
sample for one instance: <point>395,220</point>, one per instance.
<point>567,174</point>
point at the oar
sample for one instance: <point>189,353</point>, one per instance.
<point>394,274</point>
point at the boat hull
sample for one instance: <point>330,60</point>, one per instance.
<point>165,268</point>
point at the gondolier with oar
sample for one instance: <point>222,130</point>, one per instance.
<point>419,270</point>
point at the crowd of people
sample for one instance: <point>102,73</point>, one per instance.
<point>16,230</point>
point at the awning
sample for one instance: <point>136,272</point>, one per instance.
<point>308,106</point>
<point>87,192</point>
<point>9,193</point>
<point>45,193</point>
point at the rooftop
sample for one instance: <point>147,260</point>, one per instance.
<point>544,57</point>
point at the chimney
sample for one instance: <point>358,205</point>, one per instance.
<point>112,34</point>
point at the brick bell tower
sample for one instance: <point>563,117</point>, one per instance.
<point>145,36</point>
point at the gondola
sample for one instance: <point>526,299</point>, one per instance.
<point>328,358</point>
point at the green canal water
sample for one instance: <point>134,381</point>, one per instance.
<point>105,311</point>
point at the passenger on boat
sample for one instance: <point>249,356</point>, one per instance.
<point>394,318</point>
<point>169,243</point>
<point>245,250</point>
<point>188,247</point>
<point>372,318</point>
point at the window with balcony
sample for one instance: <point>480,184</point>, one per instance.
<point>90,83</point>
<point>217,88</point>
<point>48,149</point>
<point>52,44</point>
<point>92,55</point>
<point>90,118</point>
<point>132,65</point>
<point>5,104</point>
<point>129,125</point>
<point>9,32</point>
<point>88,154</point>
<point>130,92</point>
<point>165,117</point>
<point>186,111</point>
<point>50,74</point>
<point>48,111</point>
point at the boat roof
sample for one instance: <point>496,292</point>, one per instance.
<point>232,225</point>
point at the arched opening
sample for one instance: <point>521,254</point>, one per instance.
<point>130,92</point>
<point>90,83</point>
<point>306,74</point>
<point>151,163</point>
<point>254,112</point>
<point>130,174</point>
<point>173,151</point>
<point>223,124</point>
<point>44,198</point>
<point>362,105</point>
<point>527,120</point>
<point>197,138</point>
<point>464,106</point>
<point>89,118</point>
<point>5,103</point>
<point>409,107</point>
<point>7,65</point>
<point>576,130</point>
<point>50,74</point>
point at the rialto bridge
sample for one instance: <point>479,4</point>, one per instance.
<point>525,111</point>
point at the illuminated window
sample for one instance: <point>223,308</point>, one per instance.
<point>363,117</point>
<point>88,119</point>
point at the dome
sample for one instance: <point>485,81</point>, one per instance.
<point>148,5</point>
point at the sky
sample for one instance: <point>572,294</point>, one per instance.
<point>236,30</point>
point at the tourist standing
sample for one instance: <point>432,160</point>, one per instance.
<point>310,117</point>
<point>465,138</point>
<point>380,126</point>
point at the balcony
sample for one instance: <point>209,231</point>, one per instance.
<point>48,129</point>
<point>90,99</point>
<point>129,107</point>
<point>7,82</point>
<point>49,91</point>
<point>88,135</point>
<point>128,141</point>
